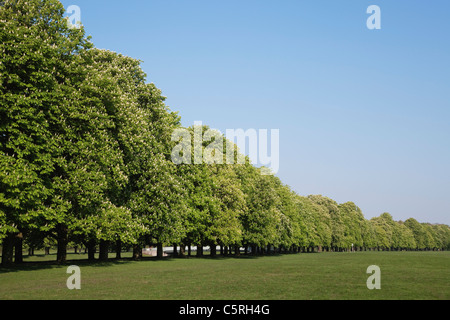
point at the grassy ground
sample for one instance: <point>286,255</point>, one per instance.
<point>324,276</point>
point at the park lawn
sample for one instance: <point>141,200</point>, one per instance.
<point>317,276</point>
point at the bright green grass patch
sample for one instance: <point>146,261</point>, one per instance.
<point>404,275</point>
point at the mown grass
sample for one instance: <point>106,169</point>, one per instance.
<point>320,276</point>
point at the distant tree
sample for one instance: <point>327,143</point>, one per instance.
<point>370,235</point>
<point>354,223</point>
<point>260,221</point>
<point>338,237</point>
<point>418,232</point>
<point>404,238</point>
<point>215,199</point>
<point>314,223</point>
<point>225,228</point>
<point>430,236</point>
<point>383,226</point>
<point>290,224</point>
<point>442,233</point>
<point>160,202</point>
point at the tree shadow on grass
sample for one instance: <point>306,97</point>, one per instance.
<point>231,256</point>
<point>42,265</point>
<point>52,264</point>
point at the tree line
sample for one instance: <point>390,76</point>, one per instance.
<point>85,159</point>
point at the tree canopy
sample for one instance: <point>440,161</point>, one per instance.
<point>86,158</point>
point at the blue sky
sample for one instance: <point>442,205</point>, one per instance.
<point>363,114</point>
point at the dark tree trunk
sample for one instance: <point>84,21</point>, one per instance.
<point>62,239</point>
<point>213,250</point>
<point>237,250</point>
<point>189,250</point>
<point>137,252</point>
<point>118,249</point>
<point>200,250</point>
<point>175,250</point>
<point>8,250</point>
<point>159,250</point>
<point>18,248</point>
<point>182,250</point>
<point>103,250</point>
<point>91,250</point>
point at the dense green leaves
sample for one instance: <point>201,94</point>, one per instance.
<point>39,71</point>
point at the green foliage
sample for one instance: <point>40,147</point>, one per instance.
<point>314,222</point>
<point>38,69</point>
<point>85,156</point>
<point>418,232</point>
<point>262,218</point>
<point>354,223</point>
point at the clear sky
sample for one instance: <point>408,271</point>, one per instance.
<point>364,115</point>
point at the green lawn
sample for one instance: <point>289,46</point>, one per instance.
<point>404,275</point>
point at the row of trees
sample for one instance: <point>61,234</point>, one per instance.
<point>85,157</point>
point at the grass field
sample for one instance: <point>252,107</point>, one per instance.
<point>319,276</point>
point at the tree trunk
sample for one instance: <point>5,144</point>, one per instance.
<point>62,239</point>
<point>213,250</point>
<point>189,250</point>
<point>200,250</point>
<point>159,250</point>
<point>91,249</point>
<point>18,248</point>
<point>175,250</point>
<point>8,250</point>
<point>237,250</point>
<point>103,250</point>
<point>182,250</point>
<point>118,249</point>
<point>137,252</point>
